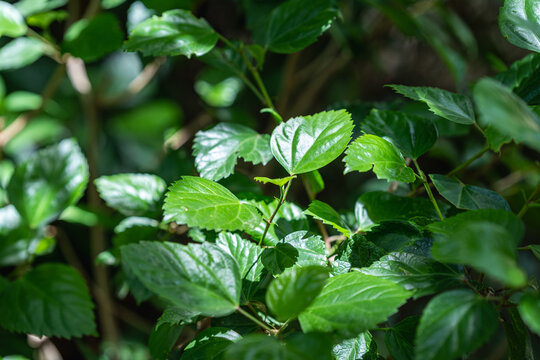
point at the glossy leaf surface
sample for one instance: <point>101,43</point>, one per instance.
<point>529,308</point>
<point>324,212</point>
<point>210,344</point>
<point>519,23</point>
<point>11,21</point>
<point>20,52</point>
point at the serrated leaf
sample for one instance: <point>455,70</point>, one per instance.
<point>175,32</point>
<point>453,324</point>
<point>295,24</point>
<point>210,344</point>
<point>358,252</point>
<point>468,197</point>
<point>206,204</point>
<point>453,107</point>
<point>393,235</point>
<point>482,244</point>
<point>197,277</point>
<point>176,316</point>
<point>11,21</point>
<point>216,150</point>
<point>529,308</point>
<point>413,135</point>
<point>361,347</point>
<point>506,112</point>
<point>132,194</point>
<point>162,339</point>
<point>307,143</point>
<point>325,213</point>
<point>400,338</point>
<point>48,181</point>
<point>421,275</point>
<point>519,23</point>
<point>277,182</point>
<point>20,52</point>
<point>352,303</point>
<point>288,295</point>
<point>52,300</point>
<point>372,152</point>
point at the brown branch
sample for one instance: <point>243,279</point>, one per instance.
<point>179,138</point>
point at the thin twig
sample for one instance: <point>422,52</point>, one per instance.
<point>530,199</point>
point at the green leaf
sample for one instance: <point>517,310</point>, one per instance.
<point>313,181</point>
<point>294,290</point>
<point>506,112</point>
<point>206,204</point>
<point>162,339</point>
<point>361,347</point>
<point>352,303</point>
<point>48,181</point>
<point>11,21</point>
<point>307,143</point>
<point>495,139</point>
<point>517,335</point>
<point>197,277</point>
<point>453,324</point>
<point>413,135</point>
<point>519,23</point>
<point>535,250</point>
<point>256,347</point>
<point>419,274</point>
<point>278,182</point>
<point>91,39</point>
<point>370,151</point>
<point>175,32</point>
<point>295,24</point>
<point>210,344</point>
<point>393,235</point>
<point>529,308</point>
<point>482,245</point>
<point>52,300</point>
<point>20,52</point>
<point>308,346</point>
<point>468,197</point>
<point>453,107</point>
<point>325,213</point>
<point>132,194</point>
<point>216,150</point>
<point>176,316</point>
<point>399,339</point>
<point>359,252</point>
<point>31,7</point>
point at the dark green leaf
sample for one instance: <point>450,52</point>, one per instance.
<point>308,346</point>
<point>370,151</point>
<point>176,32</point>
<point>519,23</point>
<point>308,143</point>
<point>278,258</point>
<point>454,107</point>
<point>288,295</point>
<point>91,39</point>
<point>421,275</point>
<point>352,303</point>
<point>20,52</point>
<point>361,347</point>
<point>325,213</point>
<point>132,194</point>
<point>196,277</point>
<point>393,235</point>
<point>162,339</point>
<point>206,204</point>
<point>496,139</point>
<point>176,316</point>
<point>413,135</point>
<point>535,250</point>
<point>517,336</point>
<point>256,347</point>
<point>210,344</point>
<point>216,150</point>
<point>296,24</point>
<point>506,112</point>
<point>468,197</point>
<point>246,254</point>
<point>48,181</point>
<point>529,308</point>
<point>11,21</point>
<point>359,252</point>
<point>453,324</point>
<point>400,338</point>
<point>52,300</point>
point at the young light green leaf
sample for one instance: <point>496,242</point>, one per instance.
<point>197,277</point>
<point>419,274</point>
<point>352,303</point>
<point>413,135</point>
<point>52,299</point>
<point>506,112</point>
<point>325,213</point>
<point>288,295</point>
<point>278,182</point>
<point>308,143</point>
<point>370,151</point>
<point>132,194</point>
<point>20,52</point>
<point>361,347</point>
<point>216,150</point>
<point>482,244</point>
<point>31,7</point>
<point>453,324</point>
<point>295,24</point>
<point>11,21</point>
<point>210,344</point>
<point>468,197</point>
<point>162,339</point>
<point>453,107</point>
<point>175,32</point>
<point>206,204</point>
<point>48,181</point>
<point>519,23</point>
<point>529,308</point>
<point>399,339</point>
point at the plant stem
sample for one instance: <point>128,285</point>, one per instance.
<point>254,319</point>
<point>283,327</point>
<point>527,204</point>
<point>468,162</point>
<point>282,196</point>
<point>428,189</point>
